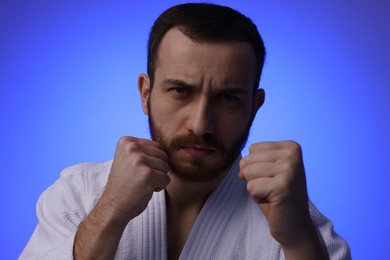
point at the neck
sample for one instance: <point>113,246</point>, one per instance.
<point>184,196</point>
<point>184,202</point>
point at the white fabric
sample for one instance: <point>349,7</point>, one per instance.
<point>229,226</point>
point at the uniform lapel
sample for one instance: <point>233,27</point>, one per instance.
<point>154,229</point>
<point>214,217</point>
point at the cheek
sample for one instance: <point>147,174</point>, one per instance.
<point>169,117</point>
<point>238,118</point>
<point>166,122</point>
<point>234,127</point>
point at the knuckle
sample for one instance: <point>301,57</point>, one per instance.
<point>124,140</point>
<point>250,187</point>
<point>294,146</point>
<point>287,167</point>
<point>291,143</point>
<point>252,148</point>
<point>294,153</point>
<point>244,171</point>
<point>247,160</point>
<point>140,159</point>
<point>254,192</point>
<point>146,174</point>
<point>132,146</point>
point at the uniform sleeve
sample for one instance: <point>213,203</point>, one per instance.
<point>60,210</point>
<point>336,246</point>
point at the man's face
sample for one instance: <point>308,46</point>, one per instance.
<point>202,104</point>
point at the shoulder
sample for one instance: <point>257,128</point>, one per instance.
<point>89,175</point>
<point>337,247</point>
<point>78,187</point>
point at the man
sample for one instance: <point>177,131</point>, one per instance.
<point>188,193</point>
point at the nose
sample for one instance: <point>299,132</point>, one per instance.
<point>200,119</point>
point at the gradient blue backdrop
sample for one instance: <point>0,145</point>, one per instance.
<point>68,73</point>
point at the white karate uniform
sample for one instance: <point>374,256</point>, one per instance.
<point>229,226</point>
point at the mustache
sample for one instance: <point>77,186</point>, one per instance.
<point>192,139</point>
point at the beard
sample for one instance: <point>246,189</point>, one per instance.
<point>198,170</point>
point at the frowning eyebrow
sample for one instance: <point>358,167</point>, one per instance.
<point>226,89</point>
<point>177,83</point>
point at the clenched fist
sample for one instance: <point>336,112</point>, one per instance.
<point>139,168</point>
<point>276,180</point>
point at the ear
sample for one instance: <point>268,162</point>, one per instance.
<point>259,99</point>
<point>144,91</point>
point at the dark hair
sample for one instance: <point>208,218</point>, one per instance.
<point>206,23</point>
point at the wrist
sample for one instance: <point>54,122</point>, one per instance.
<point>98,235</point>
<point>109,216</point>
<point>307,245</point>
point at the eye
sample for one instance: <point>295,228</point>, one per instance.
<point>229,97</point>
<point>178,90</point>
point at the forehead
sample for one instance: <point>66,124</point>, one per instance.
<point>220,63</point>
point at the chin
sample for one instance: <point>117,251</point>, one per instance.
<point>197,171</point>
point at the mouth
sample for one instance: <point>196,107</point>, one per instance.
<point>198,150</point>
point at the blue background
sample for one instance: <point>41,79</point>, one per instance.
<point>68,74</point>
